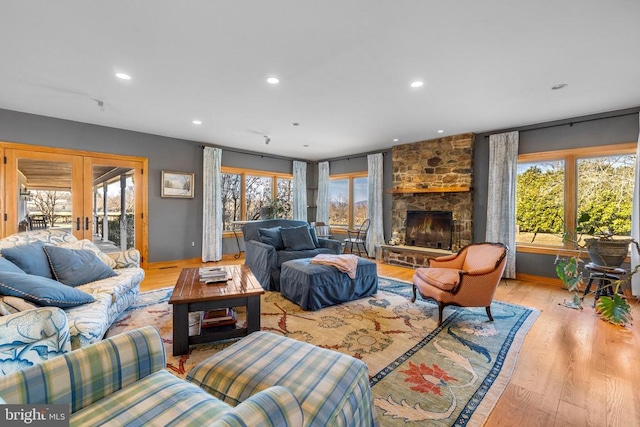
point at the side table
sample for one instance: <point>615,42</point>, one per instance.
<point>604,276</point>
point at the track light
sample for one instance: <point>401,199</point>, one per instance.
<point>267,140</point>
<point>100,104</point>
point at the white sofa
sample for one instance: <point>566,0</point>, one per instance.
<point>25,326</point>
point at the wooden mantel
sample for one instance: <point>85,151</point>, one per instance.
<point>429,190</point>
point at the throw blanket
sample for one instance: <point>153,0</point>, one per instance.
<point>345,263</point>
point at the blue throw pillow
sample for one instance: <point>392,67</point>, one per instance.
<point>6,265</point>
<point>297,238</point>
<point>29,258</point>
<point>75,267</point>
<point>314,236</point>
<point>272,236</point>
<point>41,290</point>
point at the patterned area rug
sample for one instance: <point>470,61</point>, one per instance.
<point>420,373</point>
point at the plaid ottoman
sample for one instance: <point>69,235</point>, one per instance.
<point>314,286</point>
<point>332,388</point>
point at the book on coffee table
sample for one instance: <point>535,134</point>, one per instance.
<point>211,275</point>
<point>219,317</point>
<point>195,323</point>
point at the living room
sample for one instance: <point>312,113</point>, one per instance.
<point>175,230</point>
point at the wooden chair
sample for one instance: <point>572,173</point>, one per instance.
<point>358,237</point>
<point>322,230</point>
<point>466,279</point>
<point>37,222</point>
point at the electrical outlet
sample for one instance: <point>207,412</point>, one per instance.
<point>193,243</point>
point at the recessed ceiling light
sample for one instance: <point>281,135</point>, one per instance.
<point>197,122</point>
<point>273,80</point>
<point>305,145</point>
<point>559,86</point>
<point>417,83</point>
<point>123,76</point>
<point>295,124</point>
<point>395,139</point>
<point>440,131</point>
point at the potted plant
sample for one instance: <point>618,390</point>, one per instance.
<point>275,208</point>
<point>604,251</point>
<point>602,248</point>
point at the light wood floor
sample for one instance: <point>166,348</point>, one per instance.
<point>573,369</point>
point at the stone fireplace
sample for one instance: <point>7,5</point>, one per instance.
<point>435,176</point>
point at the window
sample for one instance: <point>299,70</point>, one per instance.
<point>605,191</point>
<point>339,202</point>
<point>259,190</point>
<point>540,202</point>
<point>360,199</point>
<point>245,192</point>
<point>554,188</point>
<point>231,199</point>
<point>284,197</point>
<point>348,199</point>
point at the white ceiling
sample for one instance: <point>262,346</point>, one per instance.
<point>344,67</point>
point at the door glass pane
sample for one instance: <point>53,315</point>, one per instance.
<point>113,193</point>
<point>44,194</point>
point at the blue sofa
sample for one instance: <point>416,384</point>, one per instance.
<point>265,257</point>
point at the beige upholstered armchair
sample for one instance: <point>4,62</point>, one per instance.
<point>466,279</point>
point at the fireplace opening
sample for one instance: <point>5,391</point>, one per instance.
<point>429,229</point>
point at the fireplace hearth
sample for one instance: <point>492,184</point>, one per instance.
<point>429,229</point>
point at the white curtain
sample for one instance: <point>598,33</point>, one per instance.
<point>501,203</point>
<point>212,204</point>
<point>635,223</point>
<point>322,202</point>
<point>299,190</point>
<point>375,236</point>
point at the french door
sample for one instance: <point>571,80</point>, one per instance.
<point>99,197</point>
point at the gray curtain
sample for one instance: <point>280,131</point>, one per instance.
<point>375,236</point>
<point>322,202</point>
<point>501,201</point>
<point>212,205</point>
<point>635,223</point>
<point>299,190</point>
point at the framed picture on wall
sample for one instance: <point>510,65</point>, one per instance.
<point>178,184</point>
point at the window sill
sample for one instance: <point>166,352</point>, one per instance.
<point>553,250</point>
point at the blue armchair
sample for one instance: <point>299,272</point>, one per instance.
<point>267,247</point>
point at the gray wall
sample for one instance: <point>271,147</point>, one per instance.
<point>588,131</point>
<point>173,223</point>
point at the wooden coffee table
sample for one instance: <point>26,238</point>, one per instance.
<point>190,295</point>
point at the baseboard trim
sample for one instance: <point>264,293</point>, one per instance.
<point>540,279</point>
<point>180,263</point>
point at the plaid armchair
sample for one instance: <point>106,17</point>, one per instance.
<point>122,381</point>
